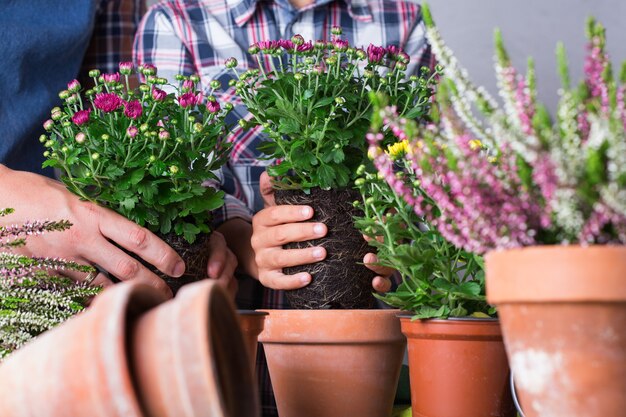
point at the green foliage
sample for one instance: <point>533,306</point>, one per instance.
<point>146,162</point>
<point>438,280</point>
<point>314,106</point>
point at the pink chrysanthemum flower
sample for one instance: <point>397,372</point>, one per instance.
<point>81,117</point>
<point>213,106</point>
<point>107,102</point>
<point>158,94</point>
<point>132,131</point>
<point>111,78</point>
<point>126,68</point>
<point>73,86</point>
<point>188,99</point>
<point>375,53</point>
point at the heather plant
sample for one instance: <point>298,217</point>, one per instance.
<point>439,280</point>
<point>314,108</point>
<point>142,152</point>
<point>513,176</point>
<point>33,297</point>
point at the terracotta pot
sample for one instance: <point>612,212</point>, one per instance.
<point>190,358</point>
<point>333,363</point>
<point>457,367</point>
<point>251,323</point>
<point>81,367</point>
<point>563,313</point>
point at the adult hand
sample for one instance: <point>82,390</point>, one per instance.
<point>275,226</point>
<point>89,240</point>
<point>222,263</point>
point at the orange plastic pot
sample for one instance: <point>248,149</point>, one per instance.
<point>80,368</point>
<point>251,323</point>
<point>333,363</point>
<point>457,367</point>
<point>190,358</point>
<point>563,314</point>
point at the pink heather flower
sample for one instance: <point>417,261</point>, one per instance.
<point>188,99</point>
<point>133,109</point>
<point>81,117</point>
<point>305,47</point>
<point>111,78</point>
<point>287,45</point>
<point>73,86</point>
<point>132,131</point>
<point>340,45</point>
<point>126,67</point>
<point>213,106</point>
<point>107,102</point>
<point>375,53</point>
<point>80,137</point>
<point>158,94</point>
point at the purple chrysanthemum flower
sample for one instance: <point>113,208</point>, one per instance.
<point>133,109</point>
<point>81,117</point>
<point>213,106</point>
<point>375,53</point>
<point>158,94</point>
<point>107,102</point>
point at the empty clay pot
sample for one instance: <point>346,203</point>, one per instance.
<point>190,358</point>
<point>333,363</point>
<point>563,315</point>
<point>251,323</point>
<point>457,368</point>
<point>81,367</point>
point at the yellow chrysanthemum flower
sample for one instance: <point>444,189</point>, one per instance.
<point>398,150</point>
<point>475,144</point>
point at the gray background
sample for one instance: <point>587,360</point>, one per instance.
<point>530,28</point>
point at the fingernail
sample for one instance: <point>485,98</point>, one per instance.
<point>318,253</point>
<point>306,211</point>
<point>318,229</point>
<point>179,269</point>
<point>305,278</point>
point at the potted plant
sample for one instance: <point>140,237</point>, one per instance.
<point>545,199</point>
<point>313,106</point>
<point>145,154</point>
<point>33,296</point>
<point>457,360</point>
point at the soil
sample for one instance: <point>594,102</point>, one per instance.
<point>340,281</point>
<point>195,255</point>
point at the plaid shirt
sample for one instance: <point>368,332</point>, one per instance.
<point>197,36</point>
<point>113,33</point>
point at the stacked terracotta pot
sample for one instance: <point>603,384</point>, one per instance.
<point>134,354</point>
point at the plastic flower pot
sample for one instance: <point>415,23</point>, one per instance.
<point>457,367</point>
<point>251,323</point>
<point>563,314</point>
<point>190,358</point>
<point>333,363</point>
<point>80,368</point>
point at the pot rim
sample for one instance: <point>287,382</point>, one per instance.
<point>449,319</point>
<point>249,312</point>
<point>557,273</point>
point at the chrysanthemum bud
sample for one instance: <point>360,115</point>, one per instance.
<point>370,201</point>
<point>94,73</point>
<point>336,30</point>
<point>180,140</point>
<point>95,156</point>
<point>228,106</point>
<point>126,68</point>
<point>132,131</point>
<point>231,62</point>
<point>73,86</point>
<point>359,182</point>
<point>105,136</point>
<point>298,76</point>
<point>43,138</point>
<point>240,84</point>
<point>216,84</point>
<point>73,99</point>
<point>80,137</point>
<point>243,123</point>
<point>254,49</point>
<point>174,169</point>
<point>144,127</point>
<point>46,154</point>
<point>148,69</point>
<point>360,170</point>
<point>197,127</point>
<point>64,149</point>
<point>164,135</point>
<point>340,101</point>
<point>232,82</point>
<point>152,158</point>
<point>66,124</point>
<point>194,78</point>
<point>297,40</point>
<point>48,125</point>
<point>64,94</point>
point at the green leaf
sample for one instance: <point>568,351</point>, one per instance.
<point>326,176</point>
